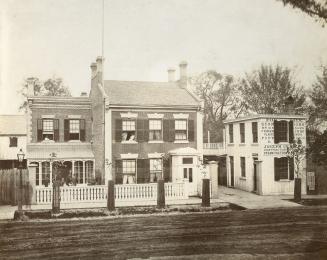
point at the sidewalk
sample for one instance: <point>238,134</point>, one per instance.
<point>250,200</point>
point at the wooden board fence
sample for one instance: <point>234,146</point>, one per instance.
<point>9,187</point>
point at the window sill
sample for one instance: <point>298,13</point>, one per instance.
<point>284,180</point>
<point>254,144</point>
<point>74,141</point>
<point>230,144</point>
<point>47,141</point>
<point>156,142</point>
<point>128,142</point>
<point>181,142</point>
<point>243,178</point>
<point>241,144</point>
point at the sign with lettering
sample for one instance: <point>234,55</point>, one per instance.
<point>274,150</point>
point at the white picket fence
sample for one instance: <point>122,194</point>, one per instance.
<point>125,194</point>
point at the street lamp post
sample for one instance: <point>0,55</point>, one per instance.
<point>20,157</point>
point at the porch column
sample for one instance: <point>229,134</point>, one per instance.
<point>84,172</point>
<point>213,170</point>
<point>32,183</point>
<point>50,172</point>
<point>40,172</point>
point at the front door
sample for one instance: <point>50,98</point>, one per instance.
<point>231,158</point>
<point>188,174</point>
<point>255,175</point>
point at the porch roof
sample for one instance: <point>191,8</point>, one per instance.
<point>63,151</point>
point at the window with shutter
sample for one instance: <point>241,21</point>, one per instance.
<point>118,172</point>
<point>56,130</point>
<point>155,130</point>
<point>129,171</point>
<point>280,131</point>
<point>155,170</point>
<point>13,141</point>
<point>290,131</point>
<point>242,132</point>
<point>66,130</point>
<point>254,132</point>
<point>243,172</point>
<point>39,130</point>
<point>191,130</point>
<point>283,169</point>
<point>128,133</point>
<point>180,129</point>
<point>231,133</point>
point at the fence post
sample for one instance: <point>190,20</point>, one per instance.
<point>205,193</point>
<point>111,195</point>
<point>56,197</point>
<point>161,194</point>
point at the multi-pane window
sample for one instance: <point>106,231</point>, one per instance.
<point>74,129</point>
<point>37,172</point>
<point>243,173</point>
<point>78,171</point>
<point>155,130</point>
<point>129,171</point>
<point>180,129</point>
<point>242,132</point>
<point>46,173</point>
<point>47,126</point>
<point>254,132</point>
<point>231,133</point>
<point>281,167</point>
<point>88,171</point>
<point>128,130</point>
<point>280,131</point>
<point>155,170</point>
<point>12,141</point>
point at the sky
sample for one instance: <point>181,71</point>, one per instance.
<point>142,38</point>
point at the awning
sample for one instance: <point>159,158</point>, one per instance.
<point>62,150</point>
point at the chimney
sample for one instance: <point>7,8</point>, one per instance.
<point>30,87</point>
<point>171,74</point>
<point>83,94</point>
<point>93,70</point>
<point>99,61</point>
<point>290,105</point>
<point>183,74</point>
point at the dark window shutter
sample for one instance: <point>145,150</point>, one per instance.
<point>118,130</point>
<point>166,130</point>
<point>82,130</point>
<point>276,167</point>
<point>146,130</point>
<point>191,130</point>
<point>119,172</point>
<point>56,130</point>
<point>171,130</point>
<point>140,130</point>
<point>39,129</point>
<point>276,132</point>
<point>291,168</point>
<point>142,170</point>
<point>290,131</point>
<point>66,130</point>
<point>166,170</point>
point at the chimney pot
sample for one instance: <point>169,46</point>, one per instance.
<point>171,74</point>
<point>99,61</point>
<point>183,73</point>
<point>30,87</point>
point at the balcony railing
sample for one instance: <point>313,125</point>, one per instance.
<point>213,146</point>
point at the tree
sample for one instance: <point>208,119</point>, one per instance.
<point>221,100</point>
<point>318,149</point>
<point>314,8</point>
<point>51,87</point>
<point>264,91</point>
<point>318,96</point>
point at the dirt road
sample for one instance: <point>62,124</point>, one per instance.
<point>300,231</point>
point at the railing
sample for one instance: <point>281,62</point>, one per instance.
<point>123,193</point>
<point>213,146</point>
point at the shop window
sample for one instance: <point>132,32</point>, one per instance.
<point>78,171</point>
<point>242,132</point>
<point>89,171</point>
<point>180,129</point>
<point>243,171</point>
<point>129,171</point>
<point>155,170</point>
<point>155,130</point>
<point>254,132</point>
<point>13,141</point>
<point>231,133</point>
<point>46,173</point>
<point>284,168</point>
<point>128,130</point>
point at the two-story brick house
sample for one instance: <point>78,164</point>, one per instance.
<point>60,129</point>
<point>256,148</point>
<point>146,130</point>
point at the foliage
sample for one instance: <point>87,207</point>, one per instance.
<point>59,170</point>
<point>297,151</point>
<point>318,150</point>
<point>314,8</point>
<point>50,87</point>
<point>221,100</point>
<point>265,90</point>
<point>318,96</point>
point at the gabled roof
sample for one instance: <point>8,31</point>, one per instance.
<point>143,93</point>
<point>12,125</point>
<point>260,116</point>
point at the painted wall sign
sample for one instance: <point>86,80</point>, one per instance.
<point>274,150</point>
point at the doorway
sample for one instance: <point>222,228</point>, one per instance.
<point>231,162</point>
<point>255,174</point>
